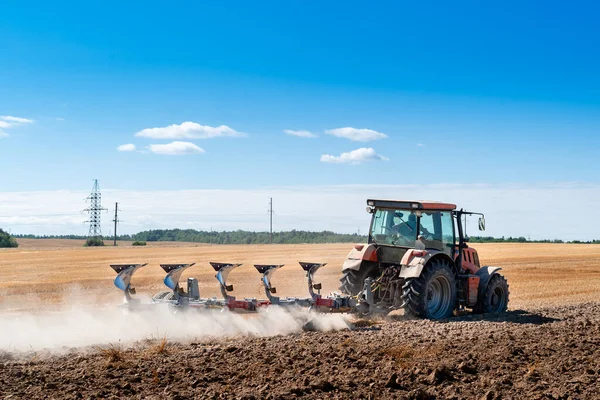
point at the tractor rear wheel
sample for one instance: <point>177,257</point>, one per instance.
<point>494,298</point>
<point>433,294</point>
<point>352,281</point>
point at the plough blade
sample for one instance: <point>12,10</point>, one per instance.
<point>123,280</point>
<point>311,269</point>
<point>267,271</point>
<point>246,305</point>
<point>174,272</point>
<point>332,303</point>
<point>223,270</point>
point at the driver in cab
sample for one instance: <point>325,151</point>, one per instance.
<point>407,230</point>
<point>404,228</point>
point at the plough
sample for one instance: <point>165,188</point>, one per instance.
<point>190,298</point>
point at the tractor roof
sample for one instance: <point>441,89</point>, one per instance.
<point>411,204</point>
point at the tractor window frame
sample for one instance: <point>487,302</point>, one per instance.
<point>449,246</point>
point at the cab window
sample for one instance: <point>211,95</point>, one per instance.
<point>437,230</point>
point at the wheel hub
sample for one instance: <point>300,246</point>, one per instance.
<point>438,297</point>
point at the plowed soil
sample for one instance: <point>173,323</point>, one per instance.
<point>547,346</point>
<point>544,354</point>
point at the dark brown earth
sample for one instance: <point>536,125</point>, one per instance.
<point>551,353</point>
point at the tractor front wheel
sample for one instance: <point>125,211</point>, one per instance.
<point>494,298</point>
<point>433,294</point>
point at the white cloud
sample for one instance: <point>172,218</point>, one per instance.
<point>304,134</point>
<point>6,122</point>
<point>354,157</point>
<point>16,120</point>
<point>356,135</point>
<point>176,148</point>
<point>126,147</point>
<point>420,145</point>
<point>511,209</point>
<point>188,130</point>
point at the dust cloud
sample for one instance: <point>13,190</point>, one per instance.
<point>49,328</point>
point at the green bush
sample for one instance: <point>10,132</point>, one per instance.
<point>6,240</point>
<point>94,241</point>
<point>138,243</point>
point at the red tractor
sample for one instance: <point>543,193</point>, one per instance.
<point>417,258</point>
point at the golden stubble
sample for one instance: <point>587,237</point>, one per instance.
<point>61,272</point>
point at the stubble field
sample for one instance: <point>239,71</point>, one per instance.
<point>538,274</point>
<point>546,346</point>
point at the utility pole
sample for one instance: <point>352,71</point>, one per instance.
<point>115,221</point>
<point>271,221</point>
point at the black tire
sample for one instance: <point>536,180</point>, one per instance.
<point>433,294</point>
<point>352,281</point>
<point>494,298</point>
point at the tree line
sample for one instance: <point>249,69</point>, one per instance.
<point>245,237</point>
<point>250,237</point>
<point>224,237</point>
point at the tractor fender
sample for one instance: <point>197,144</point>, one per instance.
<point>360,252</point>
<point>484,274</point>
<point>412,265</point>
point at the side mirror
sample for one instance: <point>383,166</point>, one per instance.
<point>370,209</point>
<point>482,223</point>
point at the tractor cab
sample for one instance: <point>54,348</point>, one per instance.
<point>412,225</point>
<point>420,225</point>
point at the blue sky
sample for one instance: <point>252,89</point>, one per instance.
<point>469,92</point>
